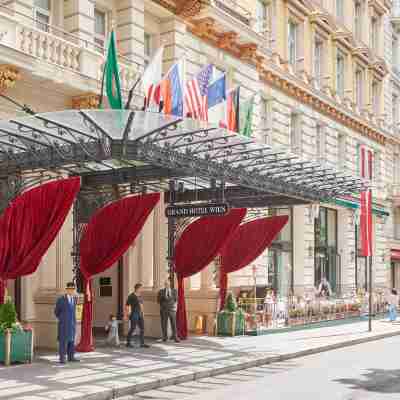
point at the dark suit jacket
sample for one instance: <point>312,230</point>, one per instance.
<point>66,315</point>
<point>167,303</point>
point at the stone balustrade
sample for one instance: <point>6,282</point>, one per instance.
<point>53,49</point>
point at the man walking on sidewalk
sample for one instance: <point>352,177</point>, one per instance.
<point>134,310</point>
<point>167,299</point>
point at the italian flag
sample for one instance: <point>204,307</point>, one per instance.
<point>111,71</point>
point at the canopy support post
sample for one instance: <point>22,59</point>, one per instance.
<point>171,235</point>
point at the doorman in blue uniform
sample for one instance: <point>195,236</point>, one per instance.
<point>65,312</point>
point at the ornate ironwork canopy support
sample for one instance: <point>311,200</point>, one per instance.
<point>171,235</point>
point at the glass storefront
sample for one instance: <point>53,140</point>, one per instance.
<point>327,259</point>
<point>280,270</point>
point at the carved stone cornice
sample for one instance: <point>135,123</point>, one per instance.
<point>305,97</point>
<point>86,101</point>
<point>9,75</point>
<point>190,8</point>
<point>227,40</point>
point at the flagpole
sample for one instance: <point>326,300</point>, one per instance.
<point>370,282</point>
<point>130,95</point>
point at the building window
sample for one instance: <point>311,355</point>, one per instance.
<point>326,263</point>
<point>41,12</point>
<point>295,133</point>
<point>318,59</point>
<point>395,110</point>
<point>374,33</point>
<point>358,19</point>
<point>375,93</point>
<point>262,17</point>
<point>320,139</point>
<point>359,88</point>
<point>292,44</point>
<point>340,74</point>
<point>100,28</point>
<point>395,51</point>
<point>339,10</point>
<point>342,152</point>
<point>266,111</point>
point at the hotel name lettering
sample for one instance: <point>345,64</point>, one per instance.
<point>198,210</point>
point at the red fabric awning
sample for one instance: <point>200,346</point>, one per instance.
<point>29,226</point>
<point>395,254</point>
<point>106,237</point>
<point>198,245</point>
<point>246,244</point>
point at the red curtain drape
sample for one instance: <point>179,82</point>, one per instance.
<point>198,245</point>
<point>106,237</point>
<point>245,245</point>
<point>30,224</point>
<point>3,285</point>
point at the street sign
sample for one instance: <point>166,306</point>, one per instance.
<point>197,210</point>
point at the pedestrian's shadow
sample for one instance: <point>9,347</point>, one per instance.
<point>375,380</point>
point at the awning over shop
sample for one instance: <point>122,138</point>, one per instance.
<point>354,203</point>
<point>395,255</point>
<point>122,146</point>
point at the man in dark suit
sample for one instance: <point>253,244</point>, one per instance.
<point>167,299</point>
<point>65,312</point>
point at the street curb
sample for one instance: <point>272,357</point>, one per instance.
<point>127,392</point>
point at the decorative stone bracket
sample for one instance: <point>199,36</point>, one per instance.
<point>8,76</point>
<point>86,101</point>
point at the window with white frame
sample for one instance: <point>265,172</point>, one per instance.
<point>265,121</point>
<point>295,132</point>
<point>375,93</point>
<point>339,10</point>
<point>358,19</point>
<point>374,33</point>
<point>359,80</point>
<point>100,27</point>
<point>342,151</point>
<point>261,17</point>
<point>340,73</point>
<point>395,51</point>
<point>318,61</point>
<point>320,141</point>
<point>292,43</point>
<point>395,110</point>
<point>41,13</point>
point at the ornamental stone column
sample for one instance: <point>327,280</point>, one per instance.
<point>146,245</point>
<point>79,19</point>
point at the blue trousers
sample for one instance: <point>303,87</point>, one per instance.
<point>66,348</point>
<point>392,312</point>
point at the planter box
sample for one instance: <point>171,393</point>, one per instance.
<point>230,324</point>
<point>16,347</point>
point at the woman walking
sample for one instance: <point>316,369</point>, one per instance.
<point>393,303</point>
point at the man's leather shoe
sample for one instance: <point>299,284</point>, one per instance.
<point>129,345</point>
<point>177,340</point>
<point>165,339</point>
<point>145,346</point>
<point>62,361</point>
<point>74,360</point>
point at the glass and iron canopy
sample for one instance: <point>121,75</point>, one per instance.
<point>112,147</point>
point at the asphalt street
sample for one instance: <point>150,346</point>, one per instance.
<point>364,372</point>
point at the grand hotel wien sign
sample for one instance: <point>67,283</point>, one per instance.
<point>196,210</point>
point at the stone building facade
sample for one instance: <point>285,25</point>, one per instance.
<point>326,85</point>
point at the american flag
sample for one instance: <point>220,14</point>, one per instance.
<point>196,94</point>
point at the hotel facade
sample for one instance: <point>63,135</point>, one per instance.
<point>326,79</point>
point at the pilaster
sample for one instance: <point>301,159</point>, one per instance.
<point>79,18</point>
<point>19,8</point>
<point>130,29</point>
<point>147,254</point>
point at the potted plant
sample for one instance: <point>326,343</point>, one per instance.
<point>16,343</point>
<point>231,320</point>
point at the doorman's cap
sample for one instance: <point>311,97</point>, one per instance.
<point>70,285</point>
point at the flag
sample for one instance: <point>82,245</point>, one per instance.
<point>151,80</point>
<point>172,90</point>
<point>196,92</point>
<point>366,223</point>
<point>232,110</point>
<point>366,167</point>
<point>216,100</point>
<point>111,71</point>
<point>246,117</point>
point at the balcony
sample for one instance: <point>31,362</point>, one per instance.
<point>55,55</point>
<point>396,13</point>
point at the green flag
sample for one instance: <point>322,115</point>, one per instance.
<point>246,117</point>
<point>113,84</point>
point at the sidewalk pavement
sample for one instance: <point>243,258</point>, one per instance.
<point>112,373</point>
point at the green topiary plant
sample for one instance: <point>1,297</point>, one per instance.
<point>230,304</point>
<point>8,316</point>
